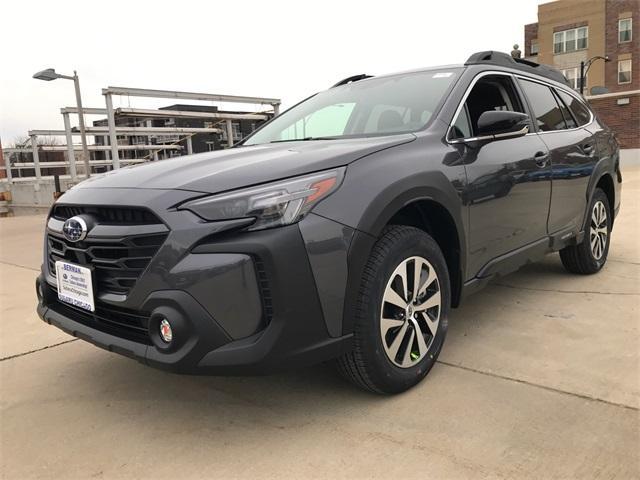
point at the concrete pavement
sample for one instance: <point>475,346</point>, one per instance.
<point>539,377</point>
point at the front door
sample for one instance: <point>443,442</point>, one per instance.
<point>508,181</point>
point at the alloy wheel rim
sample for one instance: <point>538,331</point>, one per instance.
<point>598,232</point>
<point>410,312</point>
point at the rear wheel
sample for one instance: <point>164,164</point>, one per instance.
<point>590,256</point>
<point>401,316</point>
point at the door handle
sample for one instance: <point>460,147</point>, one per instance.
<point>587,148</point>
<point>541,159</point>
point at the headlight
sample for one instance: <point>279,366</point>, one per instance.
<point>272,205</point>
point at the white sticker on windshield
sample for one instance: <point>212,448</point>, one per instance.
<point>442,74</point>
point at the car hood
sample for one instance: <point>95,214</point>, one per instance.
<point>214,172</point>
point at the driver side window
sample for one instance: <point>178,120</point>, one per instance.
<point>491,92</point>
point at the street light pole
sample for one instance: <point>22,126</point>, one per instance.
<point>50,74</point>
<point>585,66</point>
<point>83,131</point>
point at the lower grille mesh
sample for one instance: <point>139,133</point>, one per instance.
<point>112,320</point>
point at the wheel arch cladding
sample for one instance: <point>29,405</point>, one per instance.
<point>605,183</point>
<point>434,219</point>
<point>414,209</point>
<point>426,200</point>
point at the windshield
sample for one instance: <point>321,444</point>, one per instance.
<point>375,106</point>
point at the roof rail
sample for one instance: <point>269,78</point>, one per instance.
<point>351,79</point>
<point>505,60</point>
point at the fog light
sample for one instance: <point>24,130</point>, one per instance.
<point>165,331</point>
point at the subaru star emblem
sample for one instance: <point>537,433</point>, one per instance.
<point>75,229</point>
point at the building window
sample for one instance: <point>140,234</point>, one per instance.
<point>534,48</point>
<point>573,77</point>
<point>624,71</point>
<point>583,34</point>
<point>624,30</point>
<point>237,133</point>
<point>558,42</point>
<point>571,40</point>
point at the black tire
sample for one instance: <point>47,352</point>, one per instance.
<point>368,365</point>
<point>581,258</point>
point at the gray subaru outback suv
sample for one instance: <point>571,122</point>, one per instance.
<point>344,229</point>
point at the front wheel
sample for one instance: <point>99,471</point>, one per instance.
<point>590,256</point>
<point>401,315</point>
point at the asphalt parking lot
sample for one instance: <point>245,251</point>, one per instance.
<point>539,377</point>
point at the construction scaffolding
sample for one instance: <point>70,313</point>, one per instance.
<point>109,92</point>
<point>109,134</point>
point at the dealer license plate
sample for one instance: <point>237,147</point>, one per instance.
<point>75,285</point>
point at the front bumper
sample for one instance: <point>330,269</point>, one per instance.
<point>208,350</point>
<point>240,302</point>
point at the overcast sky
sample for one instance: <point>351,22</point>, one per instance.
<point>282,49</point>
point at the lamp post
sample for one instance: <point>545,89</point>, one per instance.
<point>50,74</point>
<point>585,66</point>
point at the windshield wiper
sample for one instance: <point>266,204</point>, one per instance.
<point>305,139</point>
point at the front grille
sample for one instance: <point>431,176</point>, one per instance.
<point>107,215</point>
<point>112,320</point>
<point>117,263</point>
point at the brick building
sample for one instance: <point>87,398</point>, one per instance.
<point>569,32</point>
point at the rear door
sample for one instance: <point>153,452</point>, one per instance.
<point>580,161</point>
<point>572,149</point>
<point>508,181</point>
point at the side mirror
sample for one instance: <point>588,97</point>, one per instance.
<point>501,124</point>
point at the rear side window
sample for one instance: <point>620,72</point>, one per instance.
<point>580,112</point>
<point>545,107</point>
<point>568,117</point>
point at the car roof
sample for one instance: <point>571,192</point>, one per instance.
<point>364,77</point>
<point>494,60</point>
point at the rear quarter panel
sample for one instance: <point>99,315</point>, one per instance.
<point>608,162</point>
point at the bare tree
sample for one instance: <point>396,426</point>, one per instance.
<point>24,141</point>
<point>21,141</point>
<point>49,141</point>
